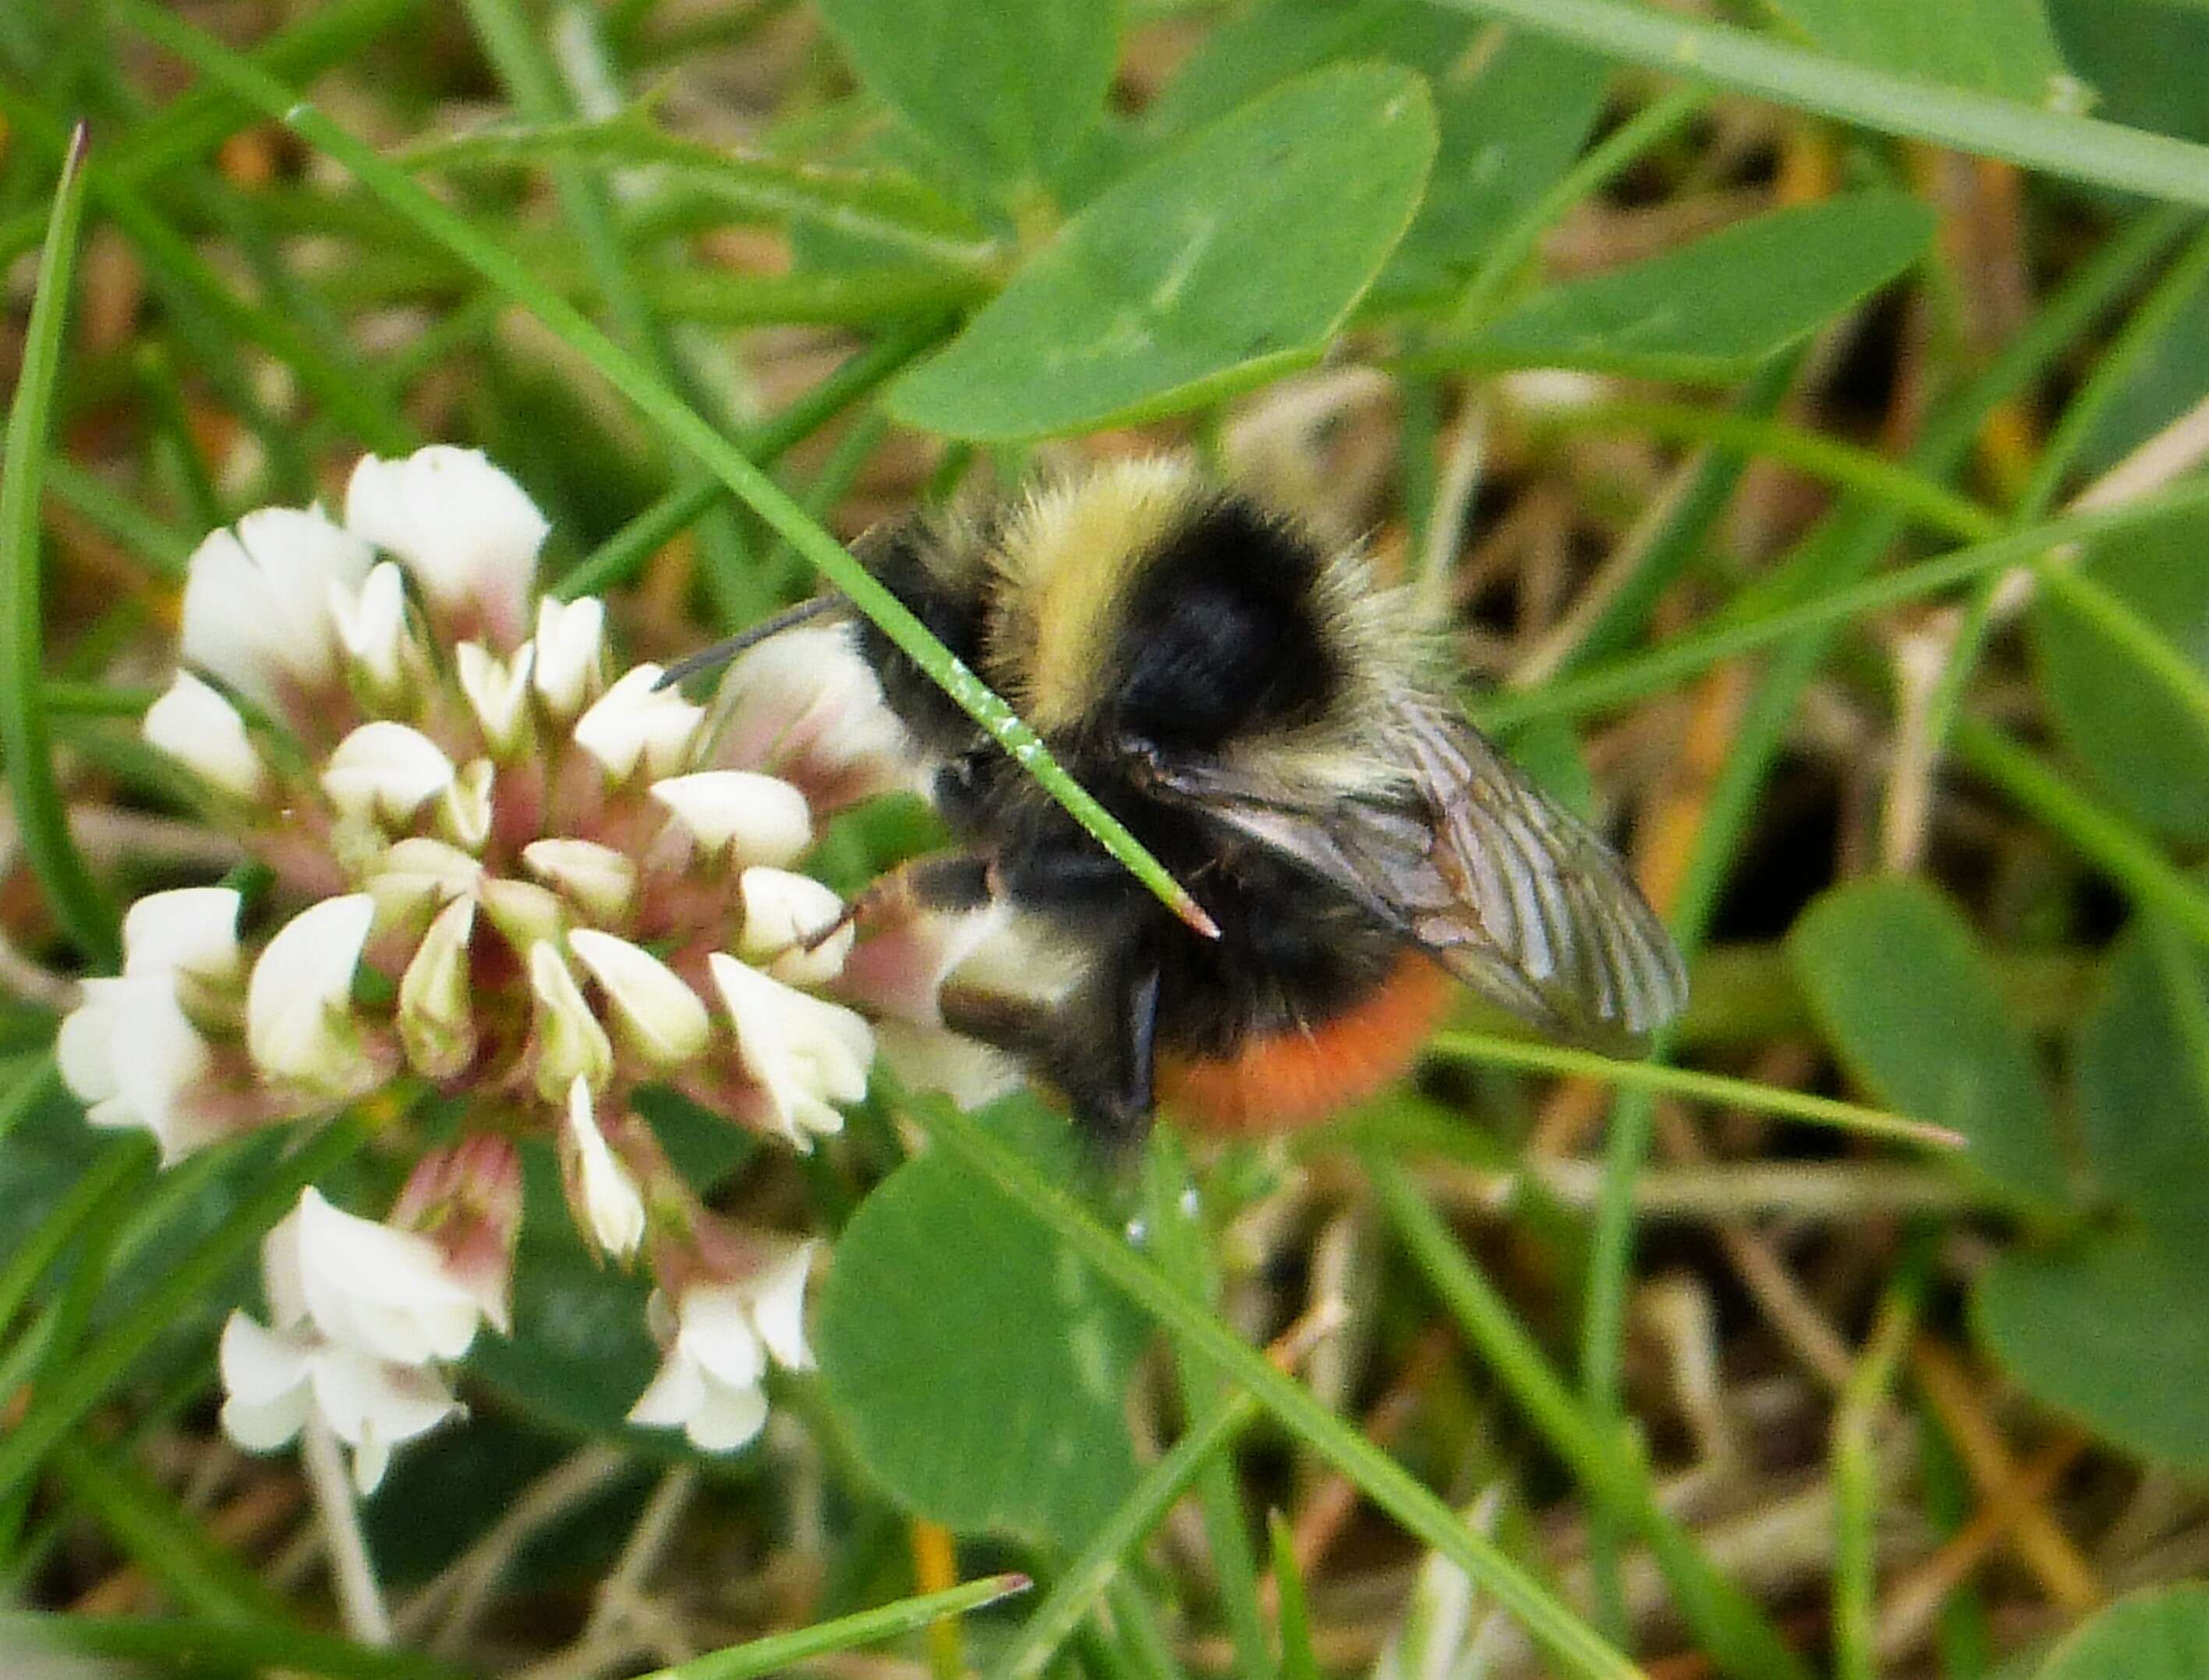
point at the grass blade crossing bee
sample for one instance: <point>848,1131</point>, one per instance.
<point>1269,722</point>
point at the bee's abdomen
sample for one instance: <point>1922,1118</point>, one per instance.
<point>1278,1082</point>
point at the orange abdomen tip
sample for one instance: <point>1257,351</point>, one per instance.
<point>1296,1079</point>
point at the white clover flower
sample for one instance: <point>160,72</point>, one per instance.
<point>781,912</point>
<point>498,691</point>
<point>570,645</point>
<point>636,722</point>
<point>133,1056</point>
<point>718,1341</point>
<point>571,1044</point>
<point>129,1049</point>
<point>804,1054</point>
<point>461,527</point>
<point>362,1314</point>
<point>275,1380</point>
<point>662,1017</point>
<point>300,1023</point>
<point>257,600</point>
<point>192,929</point>
<point>386,771</point>
<point>370,622</point>
<point>194,723</point>
<point>370,1286</point>
<point>600,880</point>
<point>500,863</point>
<point>737,812</point>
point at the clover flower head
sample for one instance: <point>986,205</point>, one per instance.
<point>497,863</point>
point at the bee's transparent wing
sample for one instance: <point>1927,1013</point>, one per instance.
<point>1505,888</point>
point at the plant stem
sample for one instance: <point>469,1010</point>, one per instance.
<point>2075,148</point>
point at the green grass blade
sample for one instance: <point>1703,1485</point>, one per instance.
<point>618,557</point>
<point>2131,859</point>
<point>181,1646</point>
<point>335,382</point>
<point>1083,1581</point>
<point>1297,1660</point>
<point>846,1633</point>
<point>79,906</point>
<point>1846,466</point>
<point>1577,1648</point>
<point>169,1541</point>
<point>2075,148</point>
<point>1856,1478</point>
<point>667,410</point>
<point>1526,1055</point>
<point>1180,1241</point>
<point>115,1165</point>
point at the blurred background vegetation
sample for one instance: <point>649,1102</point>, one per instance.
<point>1807,458</point>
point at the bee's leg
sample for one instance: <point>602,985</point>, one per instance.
<point>1127,1116</point>
<point>1098,1051</point>
<point>951,881</point>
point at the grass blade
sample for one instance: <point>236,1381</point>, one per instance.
<point>79,906</point>
<point>846,1633</point>
<point>2076,148</point>
<point>1531,1057</point>
<point>180,1647</point>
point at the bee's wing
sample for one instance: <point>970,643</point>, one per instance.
<point>1505,888</point>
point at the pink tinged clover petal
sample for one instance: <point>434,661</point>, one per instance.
<point>381,1291</point>
<point>202,731</point>
<point>755,819</point>
<point>466,531</point>
<point>806,704</point>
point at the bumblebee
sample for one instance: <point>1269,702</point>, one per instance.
<point>1275,728</point>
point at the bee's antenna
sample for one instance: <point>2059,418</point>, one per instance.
<point>712,659</point>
